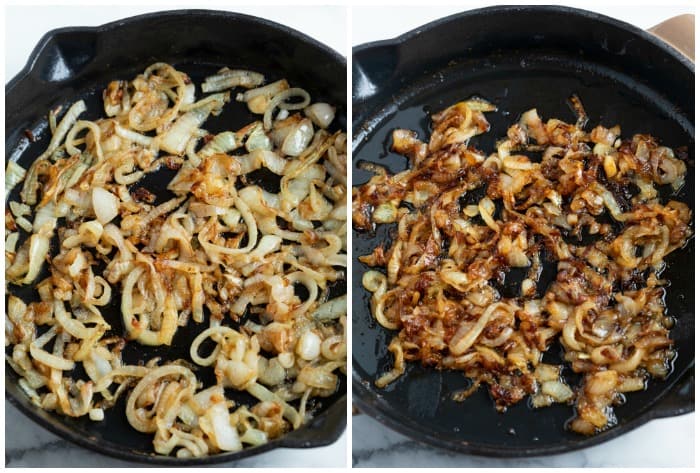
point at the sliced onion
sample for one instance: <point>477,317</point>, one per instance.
<point>228,79</point>
<point>216,424</point>
<point>221,143</point>
<point>467,334</point>
<point>254,437</point>
<point>66,123</point>
<point>316,377</point>
<point>263,394</point>
<point>279,101</point>
<point>105,205</point>
<point>309,346</point>
<point>175,139</point>
<point>14,174</point>
<point>385,213</point>
<point>131,135</point>
<point>96,414</point>
<point>39,244</point>
<point>11,242</point>
<point>188,97</point>
<point>263,157</point>
<point>257,99</point>
<point>258,139</point>
<point>480,105</point>
<point>298,139</point>
<point>333,309</point>
<point>557,390</point>
<point>322,114</point>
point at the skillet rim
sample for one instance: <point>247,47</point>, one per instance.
<point>672,401</point>
<point>504,9</point>
<point>335,414</point>
<point>145,17</point>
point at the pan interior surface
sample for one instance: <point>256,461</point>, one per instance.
<point>419,403</point>
<point>32,96</point>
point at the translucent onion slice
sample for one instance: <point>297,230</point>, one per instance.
<point>105,205</point>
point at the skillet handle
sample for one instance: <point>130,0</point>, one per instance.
<point>679,32</point>
<point>680,400</point>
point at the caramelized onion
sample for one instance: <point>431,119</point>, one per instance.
<point>475,218</point>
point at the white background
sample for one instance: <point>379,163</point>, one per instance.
<point>27,444</point>
<point>660,443</point>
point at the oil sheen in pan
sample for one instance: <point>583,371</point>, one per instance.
<point>514,84</point>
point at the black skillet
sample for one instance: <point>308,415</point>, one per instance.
<point>73,63</point>
<point>517,58</point>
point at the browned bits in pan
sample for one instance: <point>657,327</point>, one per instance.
<point>590,205</point>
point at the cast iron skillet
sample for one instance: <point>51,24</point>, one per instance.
<point>517,58</point>
<point>73,63</point>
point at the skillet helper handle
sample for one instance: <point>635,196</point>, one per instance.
<point>680,400</point>
<point>679,32</point>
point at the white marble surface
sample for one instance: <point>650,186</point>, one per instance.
<point>27,444</point>
<point>660,443</point>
